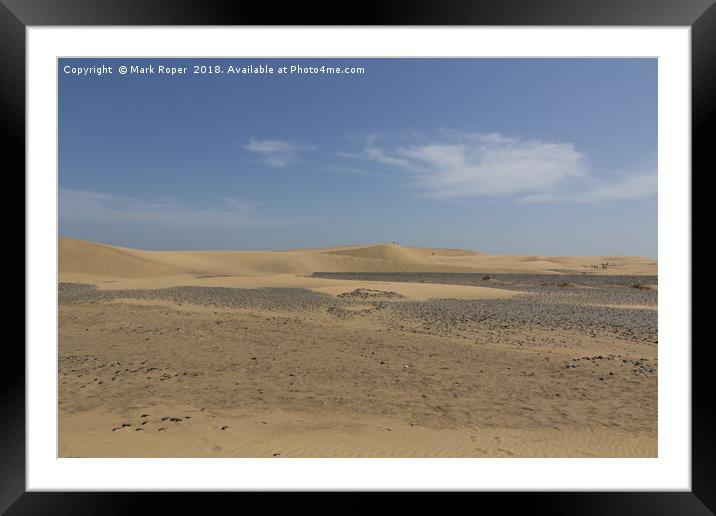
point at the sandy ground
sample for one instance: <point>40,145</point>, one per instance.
<point>165,358</point>
<point>91,261</point>
<point>327,286</point>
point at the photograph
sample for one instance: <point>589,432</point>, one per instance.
<point>357,257</point>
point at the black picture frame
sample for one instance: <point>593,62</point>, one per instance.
<point>700,15</point>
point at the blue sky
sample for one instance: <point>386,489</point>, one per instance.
<point>527,156</point>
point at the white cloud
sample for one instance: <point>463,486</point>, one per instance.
<point>78,205</point>
<point>354,171</point>
<point>630,187</point>
<point>378,154</point>
<point>465,165</point>
<point>375,154</point>
<point>275,153</point>
<point>349,155</point>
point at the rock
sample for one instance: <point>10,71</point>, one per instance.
<point>367,293</point>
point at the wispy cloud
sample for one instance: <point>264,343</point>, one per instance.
<point>275,153</point>
<point>354,171</point>
<point>641,185</point>
<point>79,205</point>
<point>379,155</point>
<point>637,186</point>
<point>463,165</point>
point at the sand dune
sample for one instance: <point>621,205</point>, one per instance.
<point>80,260</point>
<point>234,354</point>
<point>104,260</point>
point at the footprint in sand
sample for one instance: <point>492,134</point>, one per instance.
<point>163,429</point>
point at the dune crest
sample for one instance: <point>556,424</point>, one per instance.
<point>91,259</point>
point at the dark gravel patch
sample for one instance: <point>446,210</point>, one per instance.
<point>459,316</point>
<point>439,316</point>
<point>479,278</point>
<point>260,298</point>
<point>367,293</point>
<point>562,288</point>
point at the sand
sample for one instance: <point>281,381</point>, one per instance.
<point>82,260</point>
<point>244,354</point>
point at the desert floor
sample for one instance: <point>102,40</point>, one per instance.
<point>424,353</point>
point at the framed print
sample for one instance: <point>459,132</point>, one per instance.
<point>444,248</point>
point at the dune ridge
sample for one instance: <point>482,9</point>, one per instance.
<point>81,257</point>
